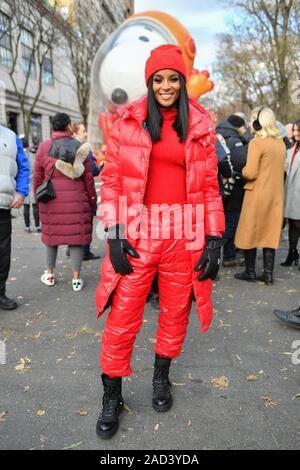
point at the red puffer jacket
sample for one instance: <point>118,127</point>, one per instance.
<point>125,174</point>
<point>66,220</point>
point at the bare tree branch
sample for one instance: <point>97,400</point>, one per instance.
<point>43,25</point>
<point>261,57</point>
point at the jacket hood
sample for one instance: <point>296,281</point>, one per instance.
<point>198,115</point>
<point>76,169</point>
<point>227,130</point>
<point>64,148</point>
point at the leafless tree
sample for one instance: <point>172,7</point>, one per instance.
<point>88,30</point>
<point>259,60</point>
<point>42,23</point>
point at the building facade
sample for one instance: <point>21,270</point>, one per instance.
<point>58,83</point>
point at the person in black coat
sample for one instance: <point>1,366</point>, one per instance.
<point>233,130</point>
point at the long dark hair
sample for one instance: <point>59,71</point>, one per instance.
<point>296,123</point>
<point>155,119</point>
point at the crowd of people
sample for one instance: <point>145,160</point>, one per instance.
<point>163,151</point>
<point>67,160</point>
<point>261,158</point>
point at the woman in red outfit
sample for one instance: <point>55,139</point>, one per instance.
<point>160,176</point>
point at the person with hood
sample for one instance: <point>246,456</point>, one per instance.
<point>233,130</point>
<point>66,218</point>
<point>14,188</point>
<point>261,218</point>
<point>161,170</point>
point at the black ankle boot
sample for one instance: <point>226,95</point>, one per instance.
<point>267,275</point>
<point>249,273</point>
<point>292,257</point>
<point>162,399</point>
<point>108,422</point>
<point>7,304</point>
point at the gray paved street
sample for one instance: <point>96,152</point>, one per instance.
<point>52,402</point>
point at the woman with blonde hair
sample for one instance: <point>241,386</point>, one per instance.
<point>262,212</point>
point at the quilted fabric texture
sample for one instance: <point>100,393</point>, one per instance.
<point>125,174</point>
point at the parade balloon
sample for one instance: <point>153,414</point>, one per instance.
<point>118,73</point>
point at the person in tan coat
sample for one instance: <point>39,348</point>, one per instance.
<point>261,218</point>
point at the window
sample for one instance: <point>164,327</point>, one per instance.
<point>28,59</point>
<point>48,77</point>
<point>5,41</point>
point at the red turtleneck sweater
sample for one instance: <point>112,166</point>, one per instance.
<point>167,171</point>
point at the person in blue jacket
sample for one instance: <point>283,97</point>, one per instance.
<point>14,187</point>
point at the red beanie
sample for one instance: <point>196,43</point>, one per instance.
<point>167,56</point>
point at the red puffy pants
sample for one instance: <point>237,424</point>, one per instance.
<point>170,259</point>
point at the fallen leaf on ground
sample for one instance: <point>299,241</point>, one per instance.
<point>128,409</point>
<point>2,416</point>
<point>84,329</point>
<point>152,340</point>
<point>41,412</point>
<point>82,413</point>
<point>268,402</point>
<point>37,335</point>
<point>73,446</point>
<point>189,423</point>
<point>26,388</point>
<point>71,335</point>
<point>156,427</point>
<point>7,331</point>
<point>220,382</point>
<point>296,396</point>
<point>31,322</point>
<point>23,365</point>
<point>252,378</point>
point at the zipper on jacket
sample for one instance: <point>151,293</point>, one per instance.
<point>148,164</point>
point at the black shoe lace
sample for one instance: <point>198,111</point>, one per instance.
<point>161,389</point>
<point>111,401</point>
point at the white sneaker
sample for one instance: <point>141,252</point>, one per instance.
<point>48,279</point>
<point>77,285</point>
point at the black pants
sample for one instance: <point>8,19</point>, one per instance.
<point>5,247</point>
<point>36,215</point>
<point>294,233</point>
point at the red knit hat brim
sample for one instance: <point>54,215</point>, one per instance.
<point>163,57</point>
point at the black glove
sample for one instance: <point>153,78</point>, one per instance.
<point>118,247</point>
<point>211,258</point>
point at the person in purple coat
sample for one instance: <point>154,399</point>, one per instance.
<point>66,218</point>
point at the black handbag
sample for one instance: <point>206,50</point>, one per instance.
<point>46,192</point>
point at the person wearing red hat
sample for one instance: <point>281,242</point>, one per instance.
<point>161,160</point>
